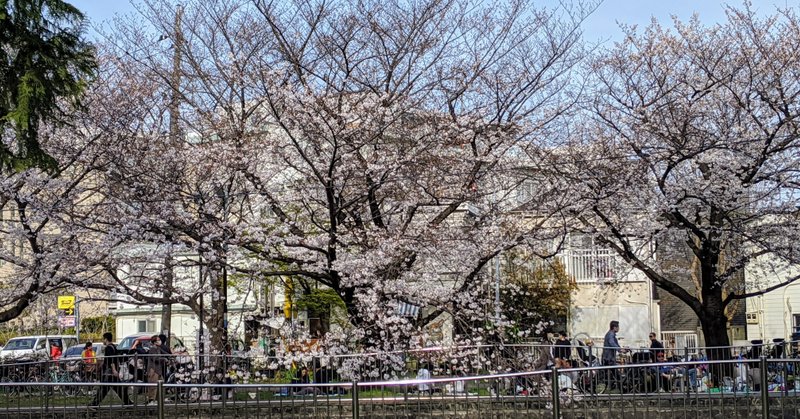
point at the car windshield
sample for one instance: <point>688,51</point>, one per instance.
<point>126,343</point>
<point>18,344</point>
<point>73,351</point>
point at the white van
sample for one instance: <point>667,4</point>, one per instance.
<point>34,347</point>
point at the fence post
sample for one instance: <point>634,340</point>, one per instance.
<point>764,388</point>
<point>687,383</point>
<point>355,399</point>
<point>160,398</point>
<point>556,401</point>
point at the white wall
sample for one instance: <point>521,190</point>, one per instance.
<point>775,312</point>
<point>776,308</point>
<point>634,323</point>
<point>184,325</point>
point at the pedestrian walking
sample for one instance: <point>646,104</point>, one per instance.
<point>156,362</point>
<point>109,373</point>
<point>424,374</point>
<point>610,349</point>
<point>611,344</point>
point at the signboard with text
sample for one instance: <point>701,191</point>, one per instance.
<point>66,302</point>
<point>66,311</point>
<point>66,321</point>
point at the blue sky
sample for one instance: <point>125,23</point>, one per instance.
<point>602,25</point>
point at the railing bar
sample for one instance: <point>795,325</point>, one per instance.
<point>47,396</point>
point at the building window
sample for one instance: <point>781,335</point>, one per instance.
<point>145,326</point>
<point>525,192</point>
<point>407,309</point>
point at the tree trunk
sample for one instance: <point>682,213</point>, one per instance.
<point>166,319</point>
<point>715,330</point>
<point>216,316</point>
<point>216,324</point>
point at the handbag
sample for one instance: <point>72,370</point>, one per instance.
<point>125,374</point>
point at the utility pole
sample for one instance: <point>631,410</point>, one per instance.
<point>166,307</point>
<point>225,279</point>
<point>174,134</point>
<point>497,288</point>
<point>200,341</point>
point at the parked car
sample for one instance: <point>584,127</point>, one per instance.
<point>24,348</point>
<point>140,343</point>
<point>72,359</point>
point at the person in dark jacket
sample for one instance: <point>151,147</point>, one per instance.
<point>656,347</point>
<point>164,343</point>
<point>109,368</point>
<point>165,349</point>
<point>155,364</point>
<point>563,347</point>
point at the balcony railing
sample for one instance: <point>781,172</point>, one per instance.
<point>592,265</point>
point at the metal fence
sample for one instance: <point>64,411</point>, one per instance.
<point>258,368</point>
<point>732,389</point>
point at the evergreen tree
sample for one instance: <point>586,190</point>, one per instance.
<point>44,66</point>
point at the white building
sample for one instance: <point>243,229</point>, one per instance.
<point>251,306</point>
<point>775,314</point>
<point>608,289</point>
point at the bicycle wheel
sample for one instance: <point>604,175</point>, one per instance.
<point>32,387</point>
<point>72,385</point>
<point>188,395</point>
<point>600,382</point>
<point>9,390</point>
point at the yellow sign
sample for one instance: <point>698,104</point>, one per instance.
<point>66,302</point>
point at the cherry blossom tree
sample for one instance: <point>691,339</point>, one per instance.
<point>694,140</point>
<point>169,206</point>
<point>375,149</point>
<point>48,232</point>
